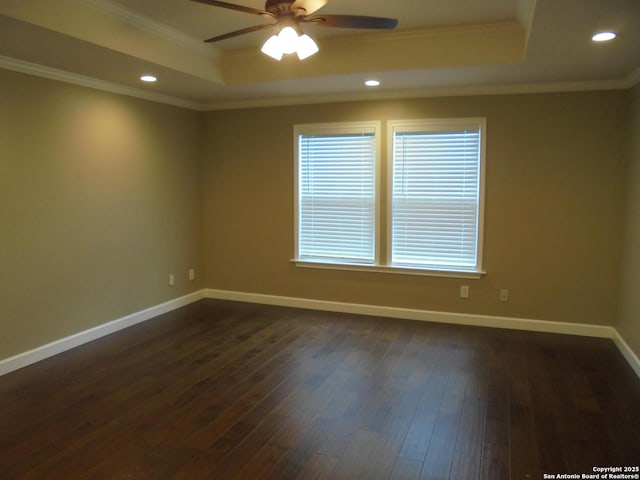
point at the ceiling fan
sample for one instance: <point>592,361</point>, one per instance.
<point>289,16</point>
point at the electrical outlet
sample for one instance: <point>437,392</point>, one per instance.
<point>504,295</point>
<point>192,274</point>
<point>464,291</point>
<point>172,280</point>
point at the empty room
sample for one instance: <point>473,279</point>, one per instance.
<point>319,239</point>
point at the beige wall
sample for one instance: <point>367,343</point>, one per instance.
<point>99,202</point>
<point>629,318</point>
<point>554,194</point>
<point>102,196</point>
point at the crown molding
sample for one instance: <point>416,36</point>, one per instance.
<point>30,68</point>
<point>480,90</point>
<point>22,66</point>
<point>145,24</point>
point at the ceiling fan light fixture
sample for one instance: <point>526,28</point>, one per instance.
<point>289,16</point>
<point>288,42</point>
<point>306,47</point>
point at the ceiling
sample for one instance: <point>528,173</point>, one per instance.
<point>440,47</point>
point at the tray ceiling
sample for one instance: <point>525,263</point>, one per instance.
<point>439,46</point>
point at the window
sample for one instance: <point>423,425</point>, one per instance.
<point>336,192</point>
<point>434,196</point>
<point>436,204</point>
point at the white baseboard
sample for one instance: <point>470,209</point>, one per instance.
<point>581,329</point>
<point>21,360</point>
<point>627,353</point>
<point>24,359</point>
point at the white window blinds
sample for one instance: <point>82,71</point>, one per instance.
<point>436,194</point>
<point>336,196</point>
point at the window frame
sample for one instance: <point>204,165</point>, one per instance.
<point>436,124</point>
<point>385,188</point>
<point>338,128</point>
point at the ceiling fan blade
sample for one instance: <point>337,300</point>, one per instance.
<point>307,7</point>
<point>352,21</point>
<point>255,28</point>
<point>232,6</point>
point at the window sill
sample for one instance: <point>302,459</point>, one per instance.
<point>388,269</point>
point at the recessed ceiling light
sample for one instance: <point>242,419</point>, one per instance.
<point>148,78</point>
<point>603,36</point>
<point>372,83</point>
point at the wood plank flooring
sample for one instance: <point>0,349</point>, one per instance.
<point>222,390</point>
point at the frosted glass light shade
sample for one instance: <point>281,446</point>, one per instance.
<point>306,46</point>
<point>288,39</point>
<point>273,47</point>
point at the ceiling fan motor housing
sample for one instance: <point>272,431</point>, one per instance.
<point>279,7</point>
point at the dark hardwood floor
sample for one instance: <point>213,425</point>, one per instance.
<point>221,390</point>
